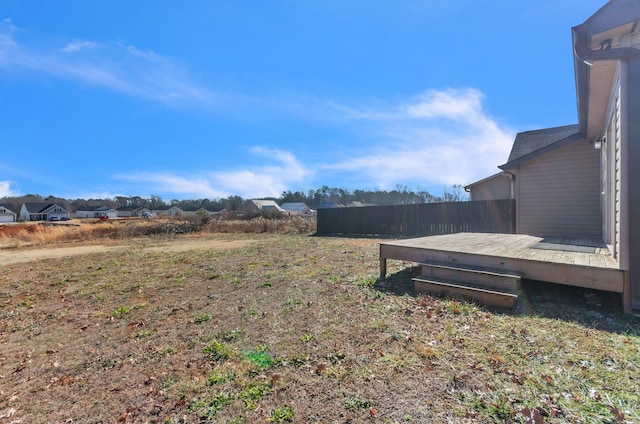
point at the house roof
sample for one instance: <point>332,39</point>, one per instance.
<point>490,177</point>
<point>531,144</point>
<point>266,204</point>
<point>7,206</point>
<point>294,206</point>
<point>130,208</point>
<point>95,208</point>
<point>201,208</point>
<point>326,205</point>
<point>33,207</point>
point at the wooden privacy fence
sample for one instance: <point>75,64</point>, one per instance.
<point>425,219</point>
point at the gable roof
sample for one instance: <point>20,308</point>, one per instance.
<point>531,144</point>
<point>131,208</point>
<point>326,205</point>
<point>95,209</point>
<point>266,204</point>
<point>33,207</point>
<point>294,206</point>
<point>8,207</point>
<point>484,180</point>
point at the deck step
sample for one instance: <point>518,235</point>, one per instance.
<point>445,287</point>
<point>490,279</point>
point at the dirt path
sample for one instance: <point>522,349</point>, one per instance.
<point>28,255</point>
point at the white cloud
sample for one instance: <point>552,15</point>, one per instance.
<point>7,190</point>
<point>439,137</point>
<point>118,67</point>
<point>269,179</point>
<point>78,45</point>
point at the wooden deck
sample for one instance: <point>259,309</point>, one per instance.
<point>574,262</point>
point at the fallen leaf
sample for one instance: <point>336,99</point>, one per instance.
<point>532,416</point>
<point>320,368</point>
<point>619,416</point>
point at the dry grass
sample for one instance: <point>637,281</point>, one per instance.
<point>295,328</point>
<point>38,234</point>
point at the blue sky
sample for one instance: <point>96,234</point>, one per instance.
<point>206,99</point>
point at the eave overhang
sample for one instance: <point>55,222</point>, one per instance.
<point>599,44</point>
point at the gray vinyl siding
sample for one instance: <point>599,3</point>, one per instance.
<point>612,197</point>
<point>559,193</point>
<point>618,182</point>
<point>495,188</point>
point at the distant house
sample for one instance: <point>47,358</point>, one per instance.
<point>199,210</point>
<point>132,211</point>
<point>97,212</point>
<point>356,204</point>
<point>497,186</point>
<point>167,210</point>
<point>256,205</point>
<point>42,212</point>
<point>297,208</point>
<point>326,205</point>
<point>7,214</point>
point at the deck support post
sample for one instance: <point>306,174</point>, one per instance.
<point>383,266</point>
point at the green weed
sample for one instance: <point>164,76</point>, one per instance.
<point>218,351</point>
<point>210,408</point>
<point>281,414</point>
<point>356,403</point>
<point>118,312</point>
<point>201,318</point>
<point>230,335</point>
<point>217,377</point>
<point>252,392</point>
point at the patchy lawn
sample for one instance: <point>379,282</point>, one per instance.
<point>291,328</point>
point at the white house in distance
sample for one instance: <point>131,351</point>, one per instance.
<point>7,214</point>
<point>167,210</point>
<point>202,211</point>
<point>42,212</point>
<point>256,205</point>
<point>97,212</point>
<point>130,211</point>
<point>297,208</point>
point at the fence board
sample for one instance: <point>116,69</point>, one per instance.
<point>486,216</point>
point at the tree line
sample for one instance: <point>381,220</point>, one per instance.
<point>399,196</point>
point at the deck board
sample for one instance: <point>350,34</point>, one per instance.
<point>514,252</point>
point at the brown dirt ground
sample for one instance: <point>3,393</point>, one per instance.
<point>28,255</point>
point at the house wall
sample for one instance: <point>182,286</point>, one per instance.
<point>558,194</point>
<point>630,177</point>
<point>612,174</point>
<point>24,213</point>
<point>56,211</point>
<point>7,215</point>
<point>495,188</point>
